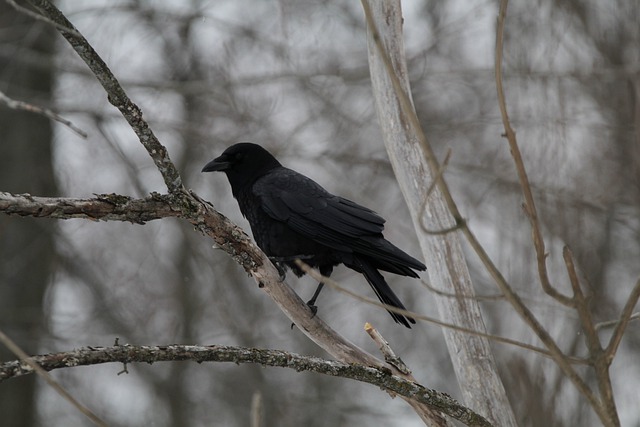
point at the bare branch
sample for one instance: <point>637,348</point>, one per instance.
<point>614,323</point>
<point>128,354</point>
<point>538,241</point>
<point>39,17</point>
<point>596,353</point>
<point>625,317</point>
<point>529,203</point>
<point>437,291</point>
<point>25,106</point>
<point>581,304</point>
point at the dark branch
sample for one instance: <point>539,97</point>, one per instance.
<point>380,377</point>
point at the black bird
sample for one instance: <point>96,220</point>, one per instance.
<point>292,217</point>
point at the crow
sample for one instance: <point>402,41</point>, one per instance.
<point>292,217</point>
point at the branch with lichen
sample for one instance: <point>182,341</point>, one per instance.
<point>380,377</point>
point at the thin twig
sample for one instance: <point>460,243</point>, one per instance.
<point>613,323</point>
<point>581,304</point>
<point>625,317</point>
<point>24,358</point>
<point>597,355</point>
<point>388,353</point>
<point>329,281</point>
<point>447,230</point>
<point>559,357</point>
<point>41,18</point>
<point>529,202</point>
<point>256,409</point>
<point>437,291</point>
<point>436,178</point>
<point>24,106</point>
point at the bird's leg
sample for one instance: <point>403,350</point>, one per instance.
<point>325,271</point>
<point>312,302</point>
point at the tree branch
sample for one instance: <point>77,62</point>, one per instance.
<point>621,324</point>
<point>105,207</point>
<point>597,355</point>
<point>605,409</point>
<point>25,106</point>
<point>381,377</point>
<point>529,202</point>
<point>205,218</point>
<point>201,214</point>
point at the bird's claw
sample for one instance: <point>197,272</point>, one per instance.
<point>313,308</point>
<point>281,270</point>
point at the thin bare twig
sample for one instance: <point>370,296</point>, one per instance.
<point>435,290</point>
<point>559,357</point>
<point>581,304</point>
<point>614,323</point>
<point>597,355</point>
<point>388,353</point>
<point>24,358</point>
<point>625,317</point>
<point>335,285</point>
<point>24,106</point>
<point>529,202</point>
<point>256,409</point>
<point>437,178</point>
<point>41,18</point>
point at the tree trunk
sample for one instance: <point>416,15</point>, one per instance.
<point>471,355</point>
<point>26,244</point>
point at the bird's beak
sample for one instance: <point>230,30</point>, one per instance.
<point>218,164</point>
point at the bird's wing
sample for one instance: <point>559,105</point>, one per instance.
<point>310,210</point>
<point>306,207</point>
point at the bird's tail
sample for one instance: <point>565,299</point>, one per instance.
<point>382,289</point>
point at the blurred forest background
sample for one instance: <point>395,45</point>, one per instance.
<point>293,76</point>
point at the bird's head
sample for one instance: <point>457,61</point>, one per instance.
<point>243,163</point>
